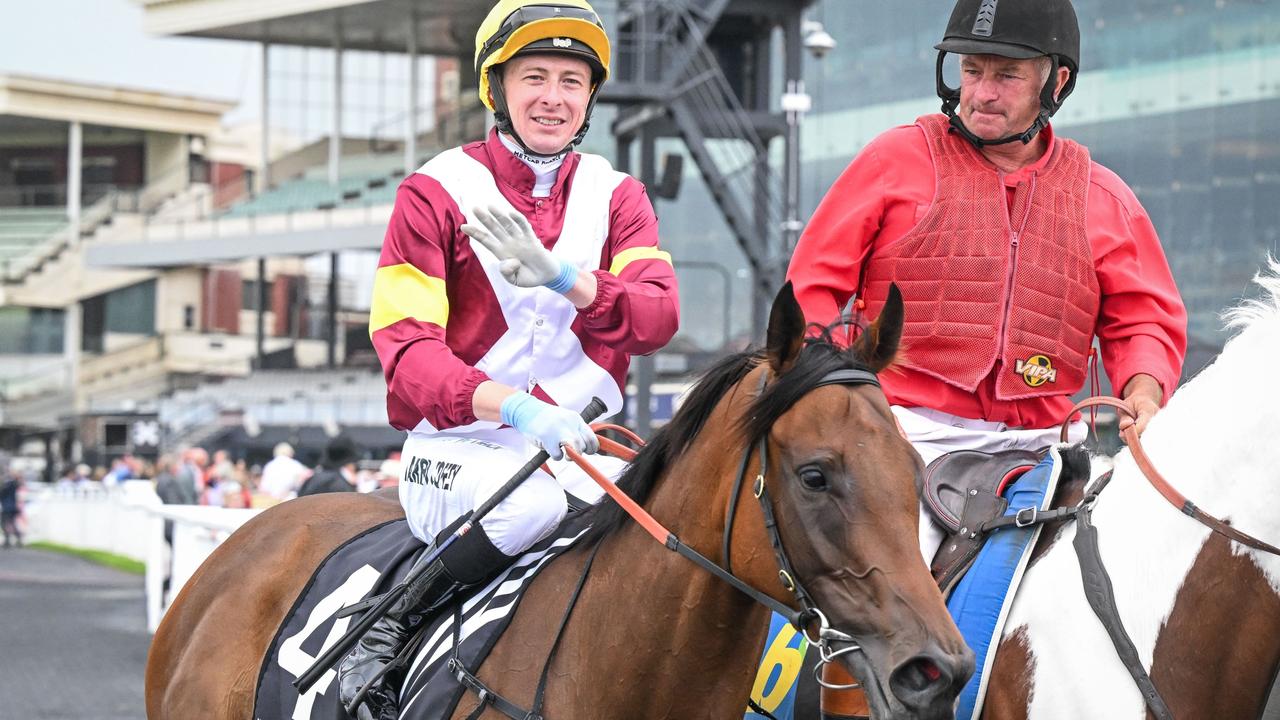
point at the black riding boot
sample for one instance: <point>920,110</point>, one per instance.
<point>470,560</point>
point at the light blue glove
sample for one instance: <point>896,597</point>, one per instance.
<point>547,425</point>
<point>524,262</point>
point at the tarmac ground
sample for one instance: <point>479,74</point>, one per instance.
<point>74,639</point>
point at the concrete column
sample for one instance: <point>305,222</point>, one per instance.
<point>332,318</point>
<point>264,129</point>
<point>71,331</point>
<point>261,301</point>
<point>411,121</point>
<point>335,140</point>
<point>795,104</point>
<point>75,151</point>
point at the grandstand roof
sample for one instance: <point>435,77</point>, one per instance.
<point>445,27</point>
<point>26,97</point>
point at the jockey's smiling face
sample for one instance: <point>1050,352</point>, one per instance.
<point>1000,96</point>
<point>547,97</point>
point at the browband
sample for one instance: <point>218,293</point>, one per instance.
<point>849,376</point>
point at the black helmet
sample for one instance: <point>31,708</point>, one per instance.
<point>1021,29</point>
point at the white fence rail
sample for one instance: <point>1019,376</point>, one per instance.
<point>130,521</point>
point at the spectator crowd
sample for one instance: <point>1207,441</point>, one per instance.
<point>194,477</point>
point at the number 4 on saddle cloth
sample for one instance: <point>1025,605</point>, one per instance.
<point>364,567</point>
<point>979,571</point>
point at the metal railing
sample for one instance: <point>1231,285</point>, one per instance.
<point>53,378</point>
<point>663,43</point>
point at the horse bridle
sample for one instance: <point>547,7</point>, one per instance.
<point>809,611</point>
<point>801,619</point>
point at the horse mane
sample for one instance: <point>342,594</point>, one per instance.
<point>1255,310</point>
<point>819,356</point>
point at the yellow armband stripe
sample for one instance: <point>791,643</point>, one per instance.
<point>630,255</point>
<point>403,291</point>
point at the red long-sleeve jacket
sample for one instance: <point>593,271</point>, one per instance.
<point>888,189</point>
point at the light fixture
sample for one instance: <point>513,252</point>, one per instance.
<point>816,38</point>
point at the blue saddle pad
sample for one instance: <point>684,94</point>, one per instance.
<point>980,602</point>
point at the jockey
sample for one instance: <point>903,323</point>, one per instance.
<point>517,279</point>
<point>1012,249</point>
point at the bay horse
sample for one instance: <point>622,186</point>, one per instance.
<point>652,635</point>
<point>1203,612</point>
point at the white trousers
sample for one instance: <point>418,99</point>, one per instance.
<point>934,433</point>
<point>446,476</point>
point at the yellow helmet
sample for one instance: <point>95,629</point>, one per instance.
<point>512,27</point>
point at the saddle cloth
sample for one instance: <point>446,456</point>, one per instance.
<point>981,600</point>
<point>367,565</point>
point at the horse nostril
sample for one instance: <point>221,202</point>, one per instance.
<point>927,682</point>
<point>916,675</point>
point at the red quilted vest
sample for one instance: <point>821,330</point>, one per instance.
<point>988,287</point>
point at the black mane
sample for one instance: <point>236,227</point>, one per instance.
<point>819,357</point>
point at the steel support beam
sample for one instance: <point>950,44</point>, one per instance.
<point>335,139</point>
<point>411,120</point>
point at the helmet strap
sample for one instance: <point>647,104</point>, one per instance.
<point>502,116</point>
<point>1048,106</point>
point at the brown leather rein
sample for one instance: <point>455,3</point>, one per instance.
<point>1162,486</point>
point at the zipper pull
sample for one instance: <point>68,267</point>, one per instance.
<point>1015,239</point>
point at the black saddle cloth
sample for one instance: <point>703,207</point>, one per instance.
<point>367,565</point>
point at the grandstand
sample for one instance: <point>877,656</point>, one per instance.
<point>25,229</point>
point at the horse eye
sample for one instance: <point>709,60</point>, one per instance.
<point>813,478</point>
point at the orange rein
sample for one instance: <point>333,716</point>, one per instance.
<point>617,449</point>
<point>1158,481</point>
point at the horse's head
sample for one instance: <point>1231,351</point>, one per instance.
<point>843,485</point>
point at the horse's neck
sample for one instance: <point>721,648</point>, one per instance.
<point>686,642</point>
<point>1184,594</point>
<point>1218,452</point>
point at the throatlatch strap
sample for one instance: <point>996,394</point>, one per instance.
<point>1097,588</point>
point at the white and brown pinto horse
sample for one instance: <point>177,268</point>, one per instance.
<point>1203,612</point>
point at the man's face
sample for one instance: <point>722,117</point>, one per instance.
<point>999,96</point>
<point>547,97</point>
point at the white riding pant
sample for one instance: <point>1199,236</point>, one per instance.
<point>935,433</point>
<point>448,475</point>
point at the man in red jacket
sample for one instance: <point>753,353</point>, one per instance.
<point>1011,247</point>
<point>517,279</point>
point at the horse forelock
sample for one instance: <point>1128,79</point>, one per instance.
<point>818,357</point>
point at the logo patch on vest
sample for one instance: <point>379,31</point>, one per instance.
<point>435,473</point>
<point>1036,370</point>
<point>562,42</point>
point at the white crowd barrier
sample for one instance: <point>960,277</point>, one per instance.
<point>129,520</point>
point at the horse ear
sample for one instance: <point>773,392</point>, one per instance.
<point>879,343</point>
<point>786,330</point>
